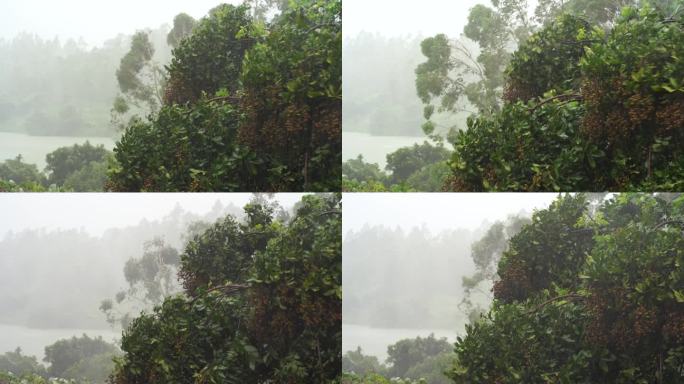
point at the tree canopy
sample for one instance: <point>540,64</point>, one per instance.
<point>262,303</point>
<point>248,106</point>
<point>585,296</point>
<point>587,108</point>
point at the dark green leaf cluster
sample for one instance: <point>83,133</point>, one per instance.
<point>263,304</point>
<point>184,148</point>
<point>293,95</point>
<point>548,61</point>
<point>586,297</point>
<point>210,58</point>
<point>419,168</point>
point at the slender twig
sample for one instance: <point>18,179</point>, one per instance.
<point>566,98</point>
<point>571,296</point>
<point>669,222</point>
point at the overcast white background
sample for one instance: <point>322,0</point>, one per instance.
<point>436,211</point>
<point>408,17</point>
<point>96,212</point>
<point>94,20</point>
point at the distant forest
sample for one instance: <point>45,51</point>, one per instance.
<point>379,92</point>
<point>64,88</point>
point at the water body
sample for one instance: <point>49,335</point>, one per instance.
<point>374,148</point>
<point>374,341</point>
<point>34,148</point>
<point>33,341</point>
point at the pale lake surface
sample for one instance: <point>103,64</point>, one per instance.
<point>374,148</point>
<point>33,341</point>
<point>34,148</point>
<point>374,341</point>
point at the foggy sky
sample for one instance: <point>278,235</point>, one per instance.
<point>96,212</point>
<point>436,211</point>
<point>400,18</point>
<point>95,21</point>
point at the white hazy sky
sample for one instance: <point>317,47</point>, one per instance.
<point>409,17</point>
<point>94,20</point>
<point>436,211</point>
<point>96,212</point>
<point>400,18</point>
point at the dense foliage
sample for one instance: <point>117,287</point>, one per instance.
<point>585,296</point>
<point>421,359</point>
<point>248,106</point>
<point>76,360</point>
<point>80,168</point>
<point>19,364</point>
<point>62,88</point>
<point>418,168</point>
<point>65,161</point>
<point>20,173</point>
<point>81,358</point>
<point>262,303</point>
<point>586,109</point>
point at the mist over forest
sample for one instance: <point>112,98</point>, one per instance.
<point>50,87</point>
<point>378,85</point>
<point>61,263</point>
<point>402,279</point>
<point>243,95</point>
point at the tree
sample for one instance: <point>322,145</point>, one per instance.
<point>64,355</point>
<point>141,80</point>
<point>15,170</point>
<point>405,162</point>
<point>183,24</point>
<point>18,364</point>
<point>276,320</point>
<point>358,363</point>
<point>471,70</point>
<point>151,278</point>
<point>210,133</point>
<point>293,96</point>
<point>585,297</point>
<point>486,254</point>
<point>405,354</point>
<point>64,162</point>
<point>596,126</point>
<point>211,57</point>
<point>360,171</point>
<point>454,75</point>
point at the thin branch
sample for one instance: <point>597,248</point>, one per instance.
<point>226,289</point>
<point>680,223</point>
<point>571,296</point>
<point>566,98</point>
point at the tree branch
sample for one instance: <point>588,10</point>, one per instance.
<point>571,296</point>
<point>566,98</point>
